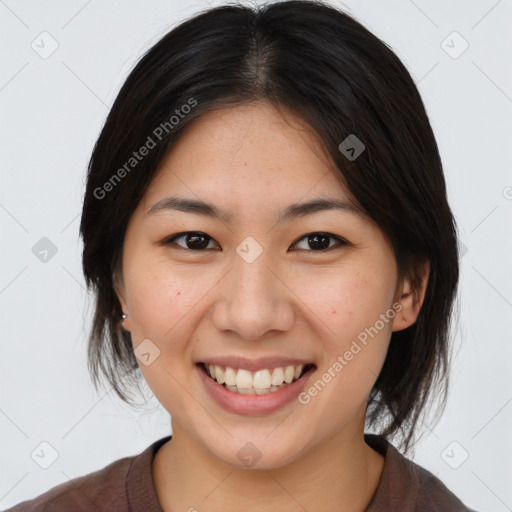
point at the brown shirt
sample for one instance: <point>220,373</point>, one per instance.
<point>127,485</point>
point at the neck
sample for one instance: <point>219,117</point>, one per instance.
<point>342,474</point>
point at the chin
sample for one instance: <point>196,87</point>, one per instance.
<point>256,452</point>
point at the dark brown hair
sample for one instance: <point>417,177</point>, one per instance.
<point>341,80</point>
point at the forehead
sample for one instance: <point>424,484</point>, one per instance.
<point>247,154</point>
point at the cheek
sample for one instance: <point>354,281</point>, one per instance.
<point>161,296</point>
<point>353,351</point>
<point>162,301</point>
<point>346,302</point>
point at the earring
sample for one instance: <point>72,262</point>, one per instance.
<point>123,315</point>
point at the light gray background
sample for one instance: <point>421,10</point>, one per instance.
<point>51,112</point>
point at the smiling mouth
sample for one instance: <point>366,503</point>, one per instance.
<point>261,382</point>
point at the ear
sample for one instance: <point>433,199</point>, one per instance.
<point>409,298</point>
<point>118,284</point>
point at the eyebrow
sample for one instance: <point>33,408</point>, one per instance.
<point>174,203</point>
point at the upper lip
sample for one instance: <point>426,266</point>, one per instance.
<point>254,364</point>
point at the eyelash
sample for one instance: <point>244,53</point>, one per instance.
<point>170,240</point>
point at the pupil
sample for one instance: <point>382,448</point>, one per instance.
<point>192,240</point>
<point>314,243</point>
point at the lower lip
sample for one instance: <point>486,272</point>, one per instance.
<point>253,405</point>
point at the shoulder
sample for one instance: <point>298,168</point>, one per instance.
<point>433,494</point>
<point>408,487</point>
<point>102,487</point>
<point>105,489</point>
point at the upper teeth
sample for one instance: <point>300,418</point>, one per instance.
<point>262,379</point>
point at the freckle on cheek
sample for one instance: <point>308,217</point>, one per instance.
<point>179,293</point>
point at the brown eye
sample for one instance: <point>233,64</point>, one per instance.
<point>193,240</point>
<point>198,241</point>
<point>318,242</point>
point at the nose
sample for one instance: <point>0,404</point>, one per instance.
<point>253,300</point>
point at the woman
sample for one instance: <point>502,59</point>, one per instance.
<point>267,235</point>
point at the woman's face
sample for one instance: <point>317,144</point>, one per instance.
<point>252,292</point>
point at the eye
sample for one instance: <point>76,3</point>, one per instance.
<point>194,240</point>
<point>199,241</point>
<point>320,242</point>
